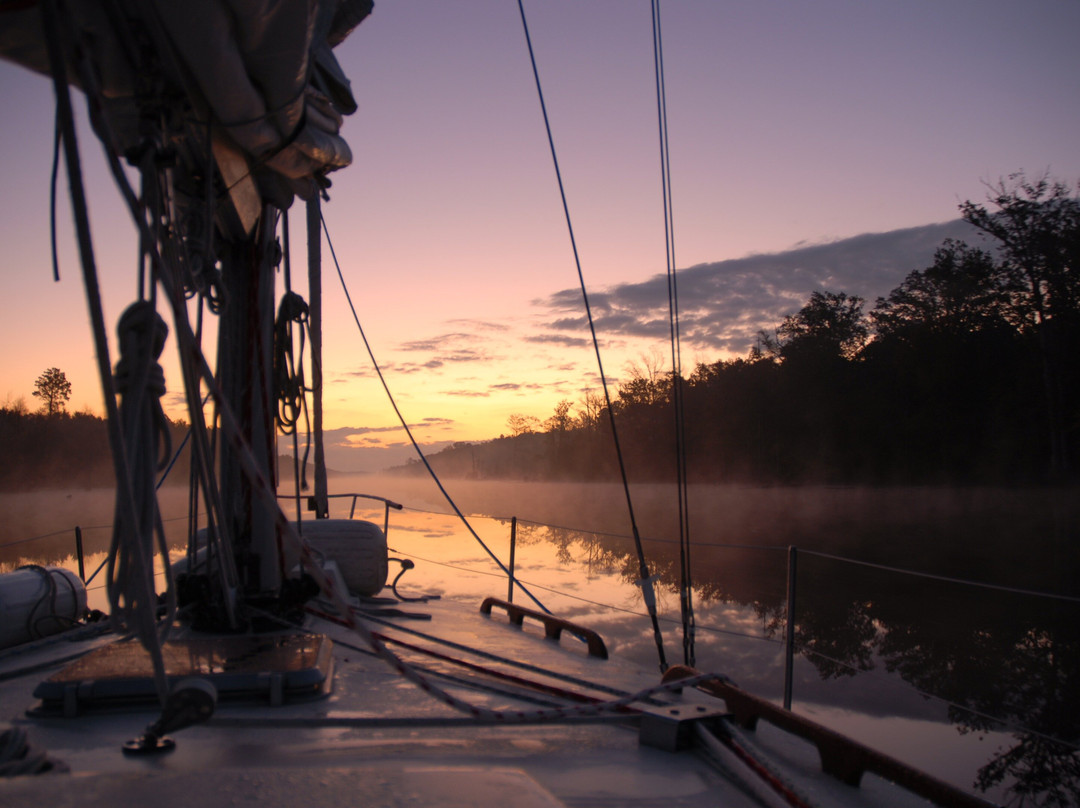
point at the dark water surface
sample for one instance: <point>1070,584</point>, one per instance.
<point>979,684</point>
<point>969,669</point>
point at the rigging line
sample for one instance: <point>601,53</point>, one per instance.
<point>646,582</point>
<point>57,36</point>
<point>1009,725</point>
<point>192,362</point>
<point>947,579</point>
<point>401,418</point>
<point>685,584</point>
<point>52,199</point>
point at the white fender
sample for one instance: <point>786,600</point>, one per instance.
<point>38,601</point>
<point>358,547</point>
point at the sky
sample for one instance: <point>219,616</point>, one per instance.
<point>813,146</point>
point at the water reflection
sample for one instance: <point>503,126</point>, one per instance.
<point>896,653</point>
<point>1001,666</point>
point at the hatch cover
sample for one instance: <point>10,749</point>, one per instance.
<point>274,668</point>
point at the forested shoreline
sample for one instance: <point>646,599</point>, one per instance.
<point>967,373</point>
<point>43,450</point>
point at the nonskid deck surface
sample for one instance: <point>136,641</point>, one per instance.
<point>378,739</point>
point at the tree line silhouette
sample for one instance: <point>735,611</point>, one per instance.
<point>967,372</point>
<point>49,450</point>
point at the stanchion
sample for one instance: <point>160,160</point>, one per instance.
<point>789,629</point>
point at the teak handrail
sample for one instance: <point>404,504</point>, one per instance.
<point>553,626</point>
<point>842,757</point>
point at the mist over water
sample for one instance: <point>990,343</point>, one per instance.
<point>1013,537</point>
<point>50,516</point>
<point>886,656</point>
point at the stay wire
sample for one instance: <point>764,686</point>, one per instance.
<point>646,582</point>
<point>404,425</point>
<point>59,41</point>
<point>685,585</point>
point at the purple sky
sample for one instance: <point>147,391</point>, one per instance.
<point>792,125</point>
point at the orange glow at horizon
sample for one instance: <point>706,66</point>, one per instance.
<point>449,226</point>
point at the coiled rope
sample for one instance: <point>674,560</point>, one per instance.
<point>18,756</point>
<point>141,383</point>
<point>289,366</point>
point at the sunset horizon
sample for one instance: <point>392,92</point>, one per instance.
<point>817,150</point>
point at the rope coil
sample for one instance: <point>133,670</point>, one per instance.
<point>18,756</point>
<point>289,363</point>
<point>140,382</point>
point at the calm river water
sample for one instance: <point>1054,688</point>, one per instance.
<point>966,664</point>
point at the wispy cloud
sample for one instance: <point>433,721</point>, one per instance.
<point>723,305</point>
<point>476,326</point>
<point>352,436</point>
<point>558,339</point>
<point>466,393</point>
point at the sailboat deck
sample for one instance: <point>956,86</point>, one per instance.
<point>377,739</point>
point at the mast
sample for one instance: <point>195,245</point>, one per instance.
<point>245,372</point>
<point>236,115</point>
<point>314,245</point>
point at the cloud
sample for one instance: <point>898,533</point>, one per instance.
<point>515,386</point>
<point>430,344</point>
<point>467,393</point>
<point>564,340</point>
<point>353,436</point>
<point>723,305</point>
<point>475,326</point>
<point>457,347</point>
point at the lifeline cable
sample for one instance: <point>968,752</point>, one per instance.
<point>404,424</point>
<point>645,582</point>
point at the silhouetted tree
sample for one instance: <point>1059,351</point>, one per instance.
<point>590,409</point>
<point>830,325</point>
<point>1038,226</point>
<point>53,388</point>
<point>963,292</point>
<point>560,420</point>
<point>522,424</point>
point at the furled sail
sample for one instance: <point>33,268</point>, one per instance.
<point>259,76</point>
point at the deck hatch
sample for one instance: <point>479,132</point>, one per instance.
<point>276,667</point>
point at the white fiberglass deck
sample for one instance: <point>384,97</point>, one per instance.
<point>379,740</point>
